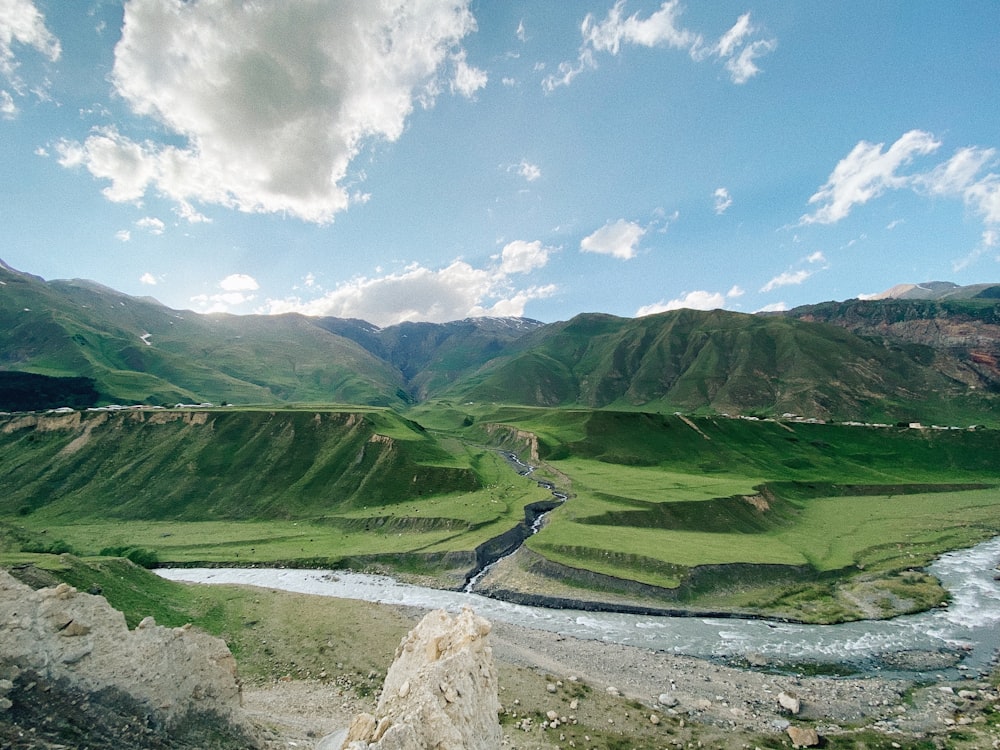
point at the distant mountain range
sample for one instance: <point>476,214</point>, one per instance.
<point>928,351</point>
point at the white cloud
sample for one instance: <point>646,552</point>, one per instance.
<point>123,235</point>
<point>151,224</point>
<point>21,23</point>
<point>235,292</point>
<point>787,278</point>
<point>743,66</point>
<point>894,223</point>
<point>521,257</point>
<point>661,29</point>
<point>8,109</point>
<point>773,307</point>
<point>989,240</point>
<point>527,170</point>
<point>457,291</point>
<point>522,35</point>
<point>467,80</point>
<point>697,300</point>
<point>816,257</point>
<point>417,293</point>
<point>866,173</point>
<point>272,101</point>
<point>732,39</point>
<point>723,200</point>
<point>148,279</point>
<point>618,239</point>
<point>961,176</point>
<point>239,282</point>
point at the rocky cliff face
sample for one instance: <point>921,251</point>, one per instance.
<point>440,692</point>
<point>958,338</point>
<point>70,667</point>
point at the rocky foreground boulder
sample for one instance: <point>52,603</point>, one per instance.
<point>440,692</point>
<point>70,668</point>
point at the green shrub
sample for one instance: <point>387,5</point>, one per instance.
<point>145,558</point>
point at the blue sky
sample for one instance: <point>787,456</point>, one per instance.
<point>439,159</point>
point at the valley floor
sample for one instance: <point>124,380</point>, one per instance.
<point>612,691</point>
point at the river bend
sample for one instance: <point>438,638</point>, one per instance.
<point>969,626</point>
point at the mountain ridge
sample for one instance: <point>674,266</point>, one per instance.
<point>896,358</point>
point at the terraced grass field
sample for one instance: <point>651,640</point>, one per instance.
<point>729,512</point>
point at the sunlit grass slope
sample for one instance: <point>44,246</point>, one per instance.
<point>656,497</point>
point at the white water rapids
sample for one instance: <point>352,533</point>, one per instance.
<point>971,624</point>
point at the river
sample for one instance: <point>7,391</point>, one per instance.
<point>970,626</point>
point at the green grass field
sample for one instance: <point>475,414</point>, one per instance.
<point>656,499</point>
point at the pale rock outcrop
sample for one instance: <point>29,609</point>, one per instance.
<point>789,702</point>
<point>803,736</point>
<point>440,692</point>
<point>63,634</point>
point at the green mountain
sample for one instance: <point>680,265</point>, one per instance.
<point>722,362</point>
<point>886,360</point>
<point>137,350</point>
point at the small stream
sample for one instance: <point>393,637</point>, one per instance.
<point>968,629</point>
<point>524,470</point>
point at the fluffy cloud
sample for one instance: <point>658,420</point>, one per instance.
<point>961,176</point>
<point>437,295</point>
<point>271,101</point>
<point>521,257</point>
<point>151,224</point>
<point>527,170</point>
<point>147,279</point>
<point>235,291</point>
<point>8,109</point>
<point>787,278</point>
<point>467,80</point>
<point>697,300</point>
<point>743,66</point>
<point>723,200</point>
<point>662,29</point>
<point>866,173</point>
<point>21,23</point>
<point>618,239</point>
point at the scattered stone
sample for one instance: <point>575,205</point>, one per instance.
<point>803,736</point>
<point>654,719</point>
<point>612,691</point>
<point>550,688</point>
<point>666,699</point>
<point>790,702</point>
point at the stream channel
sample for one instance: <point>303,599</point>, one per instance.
<point>930,643</point>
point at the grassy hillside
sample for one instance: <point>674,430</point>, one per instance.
<point>140,351</point>
<point>805,520</point>
<point>719,362</point>
<point>303,487</point>
<point>223,464</point>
